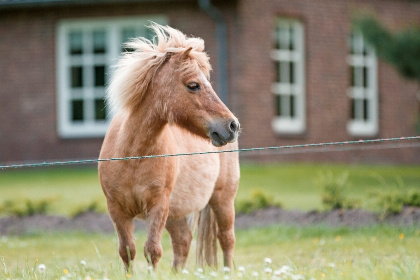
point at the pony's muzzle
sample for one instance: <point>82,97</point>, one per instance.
<point>222,133</point>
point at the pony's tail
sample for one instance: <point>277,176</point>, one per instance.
<point>206,238</point>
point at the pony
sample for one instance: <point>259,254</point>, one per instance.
<point>163,103</point>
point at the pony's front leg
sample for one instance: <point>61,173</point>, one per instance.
<point>224,210</point>
<point>125,229</point>
<point>181,237</point>
<point>157,213</point>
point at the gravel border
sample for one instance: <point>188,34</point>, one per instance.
<point>101,223</point>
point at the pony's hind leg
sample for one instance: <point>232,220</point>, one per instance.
<point>181,237</point>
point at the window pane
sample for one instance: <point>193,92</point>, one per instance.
<point>284,37</point>
<point>291,39</point>
<point>284,72</point>
<point>364,52</point>
<point>353,109</point>
<point>99,41</point>
<point>276,37</point>
<point>350,43</point>
<point>285,105</point>
<point>352,79</point>
<point>365,77</point>
<point>277,71</point>
<point>357,44</point>
<point>100,109</point>
<point>76,76</point>
<point>149,34</point>
<point>358,76</point>
<point>358,109</point>
<point>126,35</point>
<point>76,42</point>
<point>292,106</point>
<point>99,76</point>
<point>365,109</point>
<point>292,72</point>
<point>77,110</point>
<point>278,105</point>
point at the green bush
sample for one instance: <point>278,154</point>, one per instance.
<point>393,201</point>
<point>26,207</point>
<point>333,188</point>
<point>258,200</point>
<point>389,203</point>
<point>413,199</point>
<point>93,206</point>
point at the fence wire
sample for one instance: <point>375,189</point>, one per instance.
<point>286,149</point>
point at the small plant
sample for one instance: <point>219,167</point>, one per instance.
<point>333,188</point>
<point>393,201</point>
<point>28,208</point>
<point>93,206</point>
<point>258,200</point>
<point>413,198</point>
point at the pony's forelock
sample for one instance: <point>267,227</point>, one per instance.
<point>135,70</point>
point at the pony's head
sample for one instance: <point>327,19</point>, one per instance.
<point>172,74</point>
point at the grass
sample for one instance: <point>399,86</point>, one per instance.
<point>314,252</point>
<point>292,185</point>
<point>318,252</point>
<point>67,188</point>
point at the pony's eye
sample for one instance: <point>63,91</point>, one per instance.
<point>193,86</point>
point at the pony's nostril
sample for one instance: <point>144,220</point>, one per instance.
<point>234,126</point>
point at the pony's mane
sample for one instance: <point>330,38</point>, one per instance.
<point>135,70</point>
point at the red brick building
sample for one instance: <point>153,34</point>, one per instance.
<point>294,73</point>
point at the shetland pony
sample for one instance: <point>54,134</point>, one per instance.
<point>164,104</point>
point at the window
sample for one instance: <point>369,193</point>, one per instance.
<point>289,85</point>
<point>85,51</point>
<point>363,119</point>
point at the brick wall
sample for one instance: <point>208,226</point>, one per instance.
<point>28,76</point>
<point>28,97</point>
<point>327,25</point>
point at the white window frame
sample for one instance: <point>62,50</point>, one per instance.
<point>88,126</point>
<point>290,122</point>
<point>363,94</point>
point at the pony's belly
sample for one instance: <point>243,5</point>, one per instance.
<point>182,203</point>
<point>194,184</point>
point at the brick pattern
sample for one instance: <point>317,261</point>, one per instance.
<point>28,97</point>
<point>28,75</point>
<point>327,24</point>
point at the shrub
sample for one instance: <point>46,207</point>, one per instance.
<point>393,201</point>
<point>27,208</point>
<point>93,206</point>
<point>258,200</point>
<point>413,198</point>
<point>333,188</point>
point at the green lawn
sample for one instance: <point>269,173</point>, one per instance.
<point>293,185</point>
<point>318,252</point>
<point>67,188</point>
<point>379,252</point>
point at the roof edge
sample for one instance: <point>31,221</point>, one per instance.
<point>24,4</point>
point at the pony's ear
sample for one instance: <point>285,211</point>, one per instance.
<point>184,55</point>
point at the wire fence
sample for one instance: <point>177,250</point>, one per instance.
<point>381,143</point>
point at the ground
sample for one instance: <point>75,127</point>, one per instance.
<point>96,222</point>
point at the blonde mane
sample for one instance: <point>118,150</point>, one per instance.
<point>135,70</point>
